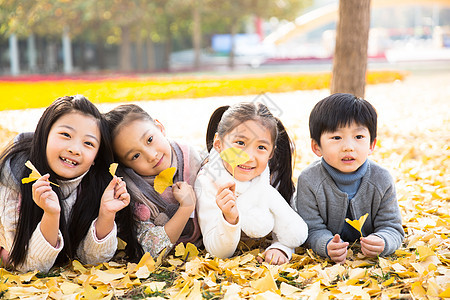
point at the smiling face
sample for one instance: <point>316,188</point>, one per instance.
<point>143,146</point>
<point>254,139</point>
<point>345,149</point>
<point>72,145</point>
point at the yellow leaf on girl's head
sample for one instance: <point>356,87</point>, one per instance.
<point>164,179</point>
<point>34,175</point>
<point>234,156</point>
<point>357,224</point>
<point>113,168</point>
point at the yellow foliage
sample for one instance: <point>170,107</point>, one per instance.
<point>26,94</point>
<point>164,179</point>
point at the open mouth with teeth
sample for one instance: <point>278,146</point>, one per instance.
<point>245,167</point>
<point>68,161</point>
<point>348,159</point>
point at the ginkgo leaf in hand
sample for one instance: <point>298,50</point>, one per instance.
<point>357,224</point>
<point>164,179</point>
<point>234,156</point>
<point>113,168</point>
<point>34,175</point>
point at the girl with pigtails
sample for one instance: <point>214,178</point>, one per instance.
<point>255,203</point>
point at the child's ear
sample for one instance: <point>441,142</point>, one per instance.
<point>160,126</point>
<point>316,148</point>
<point>217,143</point>
<point>372,147</point>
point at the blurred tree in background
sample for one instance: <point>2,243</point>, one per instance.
<point>137,29</point>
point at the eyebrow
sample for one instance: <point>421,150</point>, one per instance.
<point>132,149</point>
<point>73,129</point>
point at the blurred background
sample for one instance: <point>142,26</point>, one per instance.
<point>84,36</point>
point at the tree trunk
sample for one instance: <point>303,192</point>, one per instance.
<point>125,50</point>
<point>14,55</point>
<point>233,32</point>
<point>67,51</point>
<point>32,54</point>
<point>139,53</point>
<point>168,47</point>
<point>100,53</point>
<point>350,55</point>
<point>150,46</point>
<point>197,33</point>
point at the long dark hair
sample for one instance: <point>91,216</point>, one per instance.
<point>33,147</point>
<point>127,230</point>
<point>226,118</point>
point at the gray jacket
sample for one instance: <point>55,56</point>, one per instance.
<point>323,207</point>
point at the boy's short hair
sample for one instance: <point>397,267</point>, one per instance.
<point>340,110</point>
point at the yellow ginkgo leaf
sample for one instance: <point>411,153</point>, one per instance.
<point>113,168</point>
<point>164,179</point>
<point>357,224</point>
<point>234,156</point>
<point>189,252</point>
<point>34,175</point>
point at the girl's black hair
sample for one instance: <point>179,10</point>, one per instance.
<point>127,222</point>
<point>340,110</point>
<point>33,147</point>
<point>226,118</point>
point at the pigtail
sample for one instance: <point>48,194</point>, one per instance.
<point>213,124</point>
<point>281,163</point>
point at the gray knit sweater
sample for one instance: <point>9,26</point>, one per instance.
<point>323,207</point>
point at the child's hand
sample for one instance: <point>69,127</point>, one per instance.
<point>226,200</point>
<point>337,250</point>
<point>115,197</point>
<point>184,194</point>
<point>372,245</point>
<point>45,197</point>
<point>274,257</point>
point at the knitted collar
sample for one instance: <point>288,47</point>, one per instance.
<point>67,186</point>
<point>346,178</point>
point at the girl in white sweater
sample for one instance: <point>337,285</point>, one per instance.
<point>255,202</point>
<point>42,223</point>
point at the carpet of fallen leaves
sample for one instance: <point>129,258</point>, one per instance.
<point>414,146</point>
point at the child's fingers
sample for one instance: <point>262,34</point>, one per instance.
<point>227,186</point>
<point>225,193</point>
<point>39,192</point>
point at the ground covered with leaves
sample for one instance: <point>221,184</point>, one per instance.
<point>413,143</point>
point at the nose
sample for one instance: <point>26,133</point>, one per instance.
<point>73,149</point>
<point>348,145</point>
<point>151,155</point>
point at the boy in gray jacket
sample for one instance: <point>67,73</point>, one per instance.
<point>346,184</point>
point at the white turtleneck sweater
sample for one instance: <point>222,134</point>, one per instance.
<point>262,210</point>
<point>41,254</point>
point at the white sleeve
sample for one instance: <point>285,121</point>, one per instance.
<point>94,251</point>
<point>41,254</point>
<point>289,228</point>
<point>219,237</point>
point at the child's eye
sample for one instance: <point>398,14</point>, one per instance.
<point>240,143</point>
<point>358,137</point>
<point>65,134</point>
<point>136,156</point>
<point>89,144</point>
<point>336,138</point>
<point>150,139</point>
<point>262,147</point>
